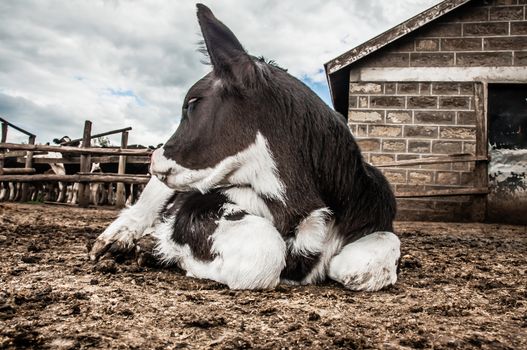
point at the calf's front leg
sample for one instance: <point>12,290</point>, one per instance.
<point>133,222</point>
<point>369,263</point>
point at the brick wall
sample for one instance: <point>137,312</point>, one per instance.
<point>401,120</point>
<point>409,120</point>
<point>481,34</point>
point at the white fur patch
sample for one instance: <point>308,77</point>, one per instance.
<point>253,167</point>
<point>369,263</point>
<point>134,221</point>
<point>332,244</point>
<point>249,253</point>
<point>247,199</point>
<point>311,233</point>
<point>317,234</point>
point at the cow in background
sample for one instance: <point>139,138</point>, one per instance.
<point>12,191</point>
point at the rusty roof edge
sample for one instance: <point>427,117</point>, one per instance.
<point>391,35</point>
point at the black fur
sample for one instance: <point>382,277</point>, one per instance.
<point>195,220</point>
<point>317,158</point>
<point>196,217</point>
<point>299,266</point>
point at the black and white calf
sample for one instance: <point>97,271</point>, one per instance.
<point>261,183</point>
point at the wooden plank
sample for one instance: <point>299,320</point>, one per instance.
<point>99,135</point>
<point>4,131</point>
<point>81,178</point>
<point>77,150</point>
<point>15,171</point>
<point>17,127</point>
<point>444,193</point>
<point>85,165</point>
<point>18,154</point>
<point>28,164</point>
<point>479,205</point>
<point>103,160</point>
<point>120,193</point>
<point>453,158</point>
<point>145,176</point>
<point>3,139</point>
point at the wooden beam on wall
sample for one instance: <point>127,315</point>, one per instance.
<point>479,205</point>
<point>453,158</point>
<point>444,193</point>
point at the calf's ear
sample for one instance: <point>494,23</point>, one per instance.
<point>224,49</point>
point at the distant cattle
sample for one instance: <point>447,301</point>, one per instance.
<point>12,191</point>
<point>102,193</point>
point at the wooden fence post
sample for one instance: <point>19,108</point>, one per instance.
<point>120,200</point>
<point>29,164</point>
<point>479,205</point>
<point>85,167</point>
<point>2,151</point>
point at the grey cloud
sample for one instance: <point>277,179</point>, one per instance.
<point>33,118</point>
<point>149,47</point>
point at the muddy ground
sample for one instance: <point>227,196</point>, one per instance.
<point>461,286</point>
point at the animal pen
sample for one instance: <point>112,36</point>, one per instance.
<point>459,285</point>
<point>85,156</point>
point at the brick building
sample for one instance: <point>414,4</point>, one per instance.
<point>449,82</point>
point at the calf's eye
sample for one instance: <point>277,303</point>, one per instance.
<point>191,103</point>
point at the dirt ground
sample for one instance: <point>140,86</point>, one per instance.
<point>461,286</point>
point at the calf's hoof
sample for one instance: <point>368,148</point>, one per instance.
<point>144,252</point>
<point>106,248</point>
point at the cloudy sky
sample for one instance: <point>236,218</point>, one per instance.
<point>129,63</point>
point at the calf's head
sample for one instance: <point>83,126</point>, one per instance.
<point>227,121</point>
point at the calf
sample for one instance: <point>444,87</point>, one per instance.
<point>261,183</point>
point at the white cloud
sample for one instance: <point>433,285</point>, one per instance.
<point>130,63</point>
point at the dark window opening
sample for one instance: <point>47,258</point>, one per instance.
<point>507,111</point>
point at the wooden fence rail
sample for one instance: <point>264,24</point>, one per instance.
<point>13,171</point>
<point>94,159</point>
<point>82,178</point>
<point>112,132</point>
<point>77,150</point>
<point>6,123</point>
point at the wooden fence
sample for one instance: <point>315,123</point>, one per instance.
<point>84,156</point>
